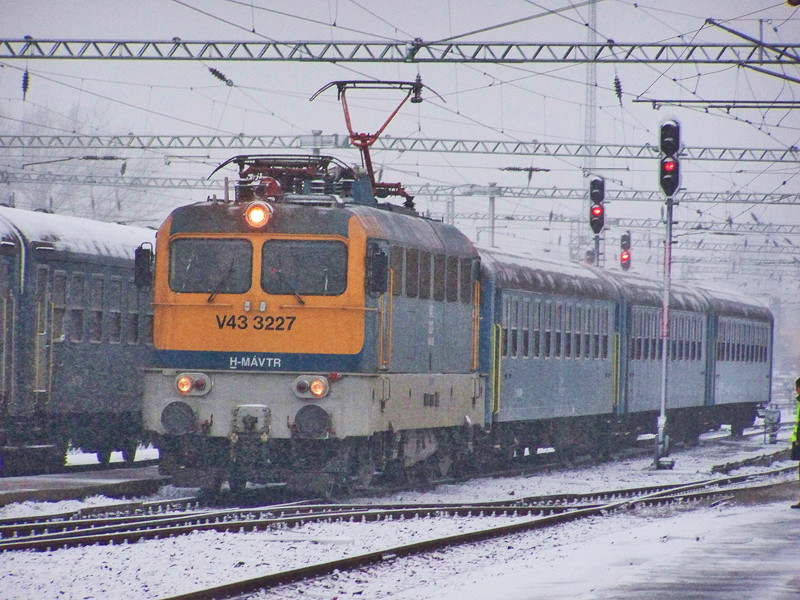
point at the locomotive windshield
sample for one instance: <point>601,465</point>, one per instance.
<point>210,266</point>
<point>304,267</point>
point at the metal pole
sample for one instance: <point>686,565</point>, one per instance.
<point>491,215</point>
<point>597,251</point>
<point>662,445</point>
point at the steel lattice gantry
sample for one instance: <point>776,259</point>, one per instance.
<point>404,144</point>
<point>416,51</point>
<point>438,192</point>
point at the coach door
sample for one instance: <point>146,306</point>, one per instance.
<point>42,355</point>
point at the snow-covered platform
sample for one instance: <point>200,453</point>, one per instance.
<point>69,486</point>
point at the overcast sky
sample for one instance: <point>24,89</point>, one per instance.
<point>481,101</point>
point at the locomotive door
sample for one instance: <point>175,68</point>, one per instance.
<point>42,367</point>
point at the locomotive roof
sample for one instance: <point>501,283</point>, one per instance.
<point>396,227</point>
<point>72,234</point>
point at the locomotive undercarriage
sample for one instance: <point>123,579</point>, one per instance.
<point>318,466</point>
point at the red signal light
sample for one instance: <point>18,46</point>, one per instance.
<point>625,256</point>
<point>669,166</point>
<point>597,210</point>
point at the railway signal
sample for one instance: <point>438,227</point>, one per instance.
<point>670,171</point>
<point>597,190</point>
<point>625,255</point>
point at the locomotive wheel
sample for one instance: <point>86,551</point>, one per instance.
<point>237,482</point>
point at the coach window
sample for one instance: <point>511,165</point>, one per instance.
<point>526,325</point>
<point>466,280</point>
<point>558,327</point>
<point>77,291</point>
<point>397,270</point>
<point>42,274</point>
<point>504,327</point>
<point>424,275</point>
<point>646,318</point>
<point>96,309</point>
<point>596,332</point>
<point>115,310</point>
<point>514,322</point>
<point>211,266</point>
<point>548,329</point>
<point>537,328</point>
<point>132,317</point>
<point>296,267</point>
<point>438,277</point>
<point>59,304</point>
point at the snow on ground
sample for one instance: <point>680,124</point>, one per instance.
<point>586,559</point>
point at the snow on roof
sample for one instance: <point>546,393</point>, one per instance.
<point>74,234</point>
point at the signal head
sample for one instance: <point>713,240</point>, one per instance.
<point>670,138</point>
<point>625,260</point>
<point>597,190</point>
<point>625,240</point>
<point>596,217</point>
<point>670,175</point>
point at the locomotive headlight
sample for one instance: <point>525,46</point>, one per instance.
<point>311,387</point>
<point>193,384</point>
<point>258,214</point>
<point>184,384</point>
<point>318,387</point>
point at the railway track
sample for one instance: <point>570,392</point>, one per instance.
<point>133,521</point>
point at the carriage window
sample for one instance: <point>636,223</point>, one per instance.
<point>558,327</point>
<point>548,329</point>
<point>115,310</point>
<point>412,273</point>
<point>132,319</point>
<point>96,309</point>
<point>59,304</point>
<point>537,329</point>
<point>424,275</point>
<point>76,303</point>
<point>526,335</point>
<point>504,327</point>
<point>514,319</point>
<point>211,266</point>
<point>309,267</point>
<point>42,274</point>
<point>397,270</point>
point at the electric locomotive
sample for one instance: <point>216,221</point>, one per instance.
<point>74,329</point>
<point>307,332</point>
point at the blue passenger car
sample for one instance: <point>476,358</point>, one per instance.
<point>74,331</point>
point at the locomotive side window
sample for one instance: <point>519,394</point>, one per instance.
<point>438,277</point>
<point>397,270</point>
<point>412,273</point>
<point>466,280</point>
<point>77,293</point>
<point>96,309</point>
<point>59,304</point>
<point>424,275</point>
<point>210,266</point>
<point>452,278</point>
<point>304,267</point>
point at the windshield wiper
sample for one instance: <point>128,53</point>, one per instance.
<point>289,285</point>
<point>218,287</point>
